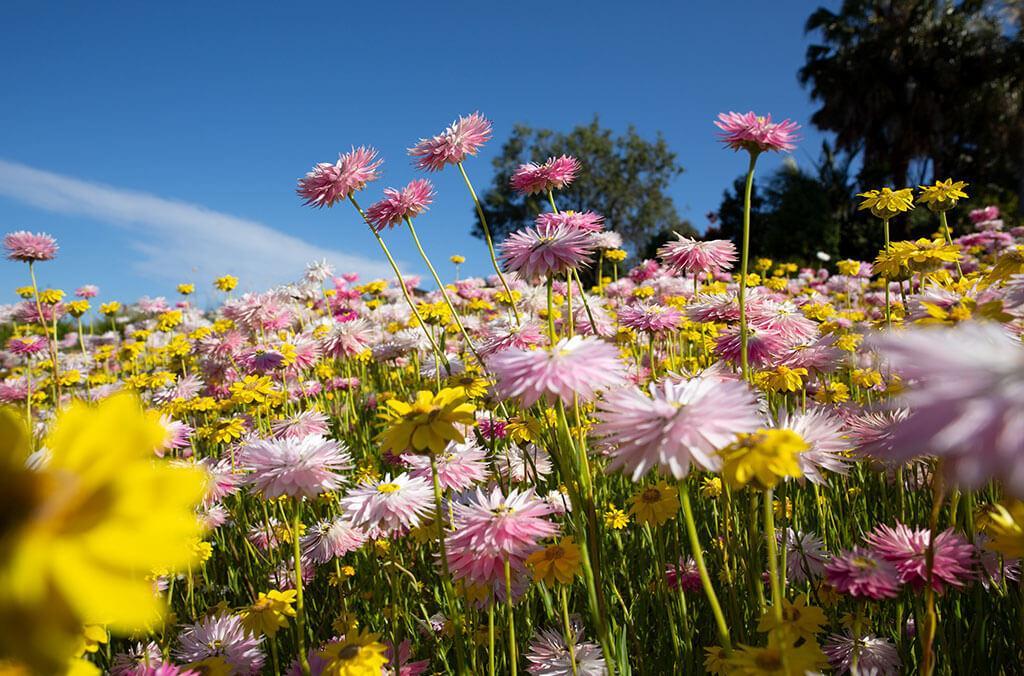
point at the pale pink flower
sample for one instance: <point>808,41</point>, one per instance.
<point>389,504</point>
<point>398,205</point>
<point>748,131</point>
<point>548,654</point>
<point>176,435</point>
<point>762,345</point>
<point>492,528</point>
<point>328,184</point>
<point>805,554</point>
<point>875,656</point>
<point>460,140</point>
<point>555,174</point>
<point>782,319</point>
<point>301,424</point>
<point>577,366</point>
<point>87,291</point>
<point>523,465</point>
<point>572,220</point>
<point>872,432</point>
<point>682,422</point>
<point>546,251</point>
<point>221,635</point>
<point>906,548</point>
<point>29,247</point>
<point>347,339</point>
<point>458,468</point>
<point>504,334</point>
<point>330,539</point>
<point>295,466</point>
<point>824,433</point>
<point>965,388</point>
<point>650,318</point>
<point>690,255</point>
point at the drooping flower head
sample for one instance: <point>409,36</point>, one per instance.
<point>859,572</point>
<point>326,184</point>
<point>679,423</point>
<point>577,366</point>
<point>29,247</point>
<point>545,250</point>
<point>751,132</point>
<point>942,196</point>
<point>555,174</point>
<point>460,140</point>
<point>906,548</point>
<point>690,255</point>
<point>398,205</point>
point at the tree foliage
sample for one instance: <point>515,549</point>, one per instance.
<point>624,178</point>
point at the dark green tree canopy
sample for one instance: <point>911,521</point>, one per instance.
<point>924,89</point>
<point>624,178</point>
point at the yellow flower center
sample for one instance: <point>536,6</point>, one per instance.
<point>388,488</point>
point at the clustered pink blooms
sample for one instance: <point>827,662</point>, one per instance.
<point>493,528</point>
<point>460,466</point>
<point>573,367</point>
<point>398,205</point>
<point>546,251</point>
<point>460,140</point>
<point>751,132</point>
<point>326,184</point>
<point>555,174</point>
<point>906,548</point>
<point>693,256</point>
<point>651,318</point>
<point>680,423</point>
<point>295,466</point>
<point>29,247</point>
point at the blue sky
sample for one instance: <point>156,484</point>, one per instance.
<point>160,142</point>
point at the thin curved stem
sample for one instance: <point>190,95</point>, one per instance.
<point>702,569</point>
<point>744,257</point>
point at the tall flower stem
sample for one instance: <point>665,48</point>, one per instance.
<point>551,310</point>
<point>949,239</point>
<point>401,283</point>
<point>513,655</point>
<point>446,581</point>
<point>773,556</point>
<point>50,340</point>
<point>744,257</point>
<point>444,292</point>
<point>702,569</point>
<point>570,635</point>
<point>490,242</point>
<point>888,307</point>
<point>300,607</point>
<point>931,618</point>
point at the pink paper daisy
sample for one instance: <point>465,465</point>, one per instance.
<point>693,256</point>
<point>221,635</point>
<point>906,549</point>
<point>555,174</point>
<point>762,345</point>
<point>389,504</point>
<point>681,422</point>
<point>572,220</point>
<point>460,140</point>
<point>29,247</point>
<point>458,468</point>
<point>577,366</point>
<point>328,184</point>
<point>825,436</point>
<point>295,466</point>
<point>874,655</point>
<point>859,572</point>
<point>492,528</point>
<point>398,205</point>
<point>87,291</point>
<point>331,539</point>
<point>748,131</point>
<point>545,250</point>
<point>650,318</point>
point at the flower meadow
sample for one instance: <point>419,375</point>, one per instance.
<point>700,463</point>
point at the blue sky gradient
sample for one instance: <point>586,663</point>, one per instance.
<point>161,142</point>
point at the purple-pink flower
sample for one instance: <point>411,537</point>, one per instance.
<point>555,174</point>
<point>326,184</point>
<point>906,548</point>
<point>693,256</point>
<point>461,139</point>
<point>860,572</point>
<point>754,133</point>
<point>295,466</point>
<point>398,205</point>
<point>546,250</point>
<point>29,247</point>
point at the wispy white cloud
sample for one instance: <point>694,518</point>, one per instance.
<point>174,237</point>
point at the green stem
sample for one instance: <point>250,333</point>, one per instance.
<point>490,242</point>
<point>744,257</point>
<point>401,283</point>
<point>446,581</point>
<point>888,307</point>
<point>513,656</point>
<point>773,556</point>
<point>551,310</point>
<point>949,240</point>
<point>300,607</point>
<point>702,569</point>
<point>570,635</point>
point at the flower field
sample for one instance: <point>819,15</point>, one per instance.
<point>705,462</point>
